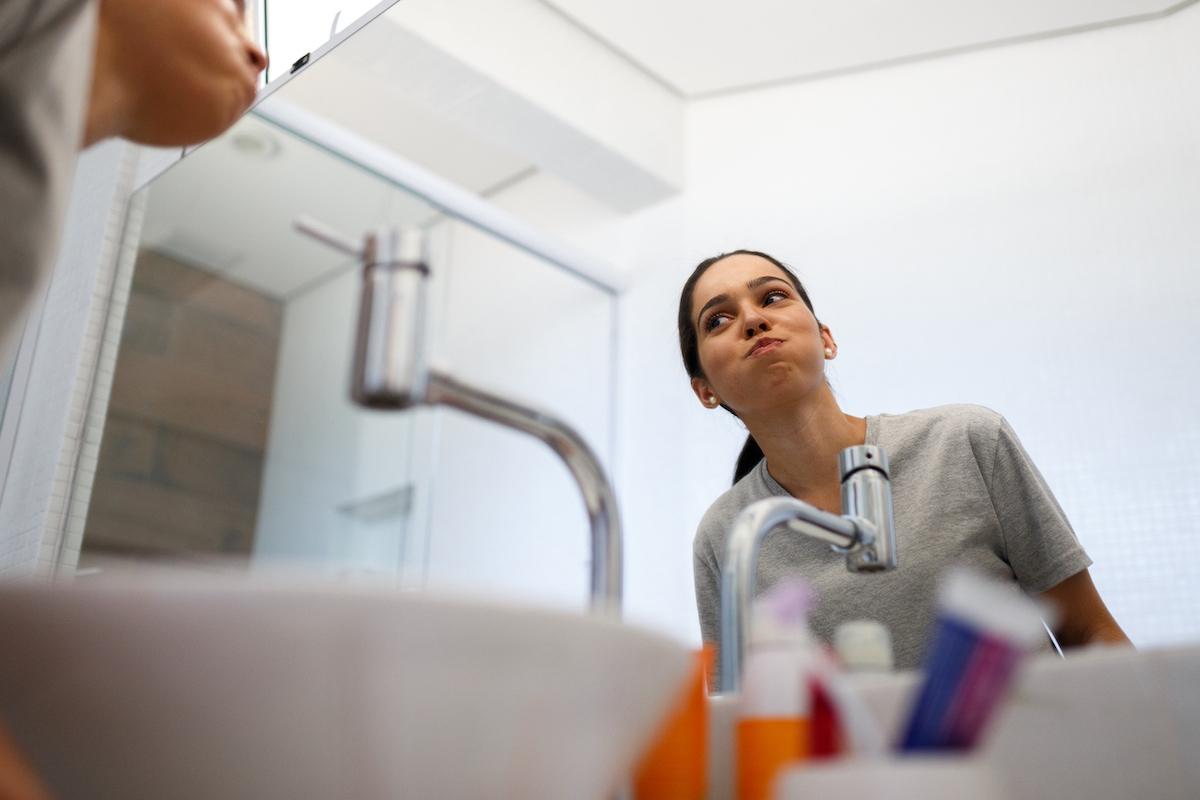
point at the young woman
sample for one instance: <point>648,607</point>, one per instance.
<point>964,491</point>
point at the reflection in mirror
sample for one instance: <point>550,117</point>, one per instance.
<point>230,430</point>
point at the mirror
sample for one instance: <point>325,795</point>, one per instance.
<point>230,431</point>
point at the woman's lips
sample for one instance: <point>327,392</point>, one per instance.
<point>764,345</point>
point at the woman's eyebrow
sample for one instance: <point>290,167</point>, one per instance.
<point>754,284</point>
<point>721,298</point>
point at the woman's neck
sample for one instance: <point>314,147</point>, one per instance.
<point>801,442</point>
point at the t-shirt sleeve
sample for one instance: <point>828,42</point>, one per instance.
<point>45,68</point>
<point>708,587</point>
<point>1039,543</point>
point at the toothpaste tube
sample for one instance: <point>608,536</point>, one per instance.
<point>983,630</point>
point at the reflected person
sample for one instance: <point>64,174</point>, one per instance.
<point>964,490</point>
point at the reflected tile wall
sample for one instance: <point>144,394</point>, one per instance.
<point>181,460</point>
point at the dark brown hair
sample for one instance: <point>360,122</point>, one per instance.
<point>689,342</point>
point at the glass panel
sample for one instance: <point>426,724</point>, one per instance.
<point>230,430</point>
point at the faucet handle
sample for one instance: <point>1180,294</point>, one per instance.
<point>327,235</point>
<point>387,246</point>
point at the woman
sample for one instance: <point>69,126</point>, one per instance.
<point>964,491</point>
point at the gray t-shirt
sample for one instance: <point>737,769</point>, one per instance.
<point>964,492</point>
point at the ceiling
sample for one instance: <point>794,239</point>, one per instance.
<point>704,47</point>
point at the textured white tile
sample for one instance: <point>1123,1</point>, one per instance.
<point>68,339</point>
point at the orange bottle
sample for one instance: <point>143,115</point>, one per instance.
<point>676,765</point>
<point>775,706</point>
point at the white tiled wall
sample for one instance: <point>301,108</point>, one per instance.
<point>61,413</point>
<point>89,401</point>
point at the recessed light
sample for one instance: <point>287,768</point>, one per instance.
<point>255,143</point>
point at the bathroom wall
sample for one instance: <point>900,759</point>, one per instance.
<point>180,462</point>
<point>63,367</point>
<point>1014,227</point>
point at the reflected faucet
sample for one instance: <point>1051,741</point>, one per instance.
<point>391,371</point>
<point>864,533</point>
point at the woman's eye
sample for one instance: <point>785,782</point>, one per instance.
<point>771,297</point>
<point>714,321</point>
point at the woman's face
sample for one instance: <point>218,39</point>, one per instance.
<point>188,68</point>
<point>759,344</point>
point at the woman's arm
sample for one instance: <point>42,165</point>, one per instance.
<point>1083,617</point>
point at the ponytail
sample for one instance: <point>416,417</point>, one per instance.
<point>750,456</point>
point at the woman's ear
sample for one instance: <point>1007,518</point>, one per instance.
<point>827,342</point>
<point>708,398</point>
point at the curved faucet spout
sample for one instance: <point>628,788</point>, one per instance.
<point>570,446</point>
<point>864,533</point>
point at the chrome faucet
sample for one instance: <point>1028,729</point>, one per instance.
<point>864,532</point>
<point>391,371</point>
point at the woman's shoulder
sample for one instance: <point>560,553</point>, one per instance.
<point>979,425</point>
<point>720,515</point>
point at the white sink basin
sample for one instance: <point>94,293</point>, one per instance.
<point>223,689</point>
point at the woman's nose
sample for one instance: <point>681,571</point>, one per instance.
<point>756,323</point>
<point>257,58</point>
